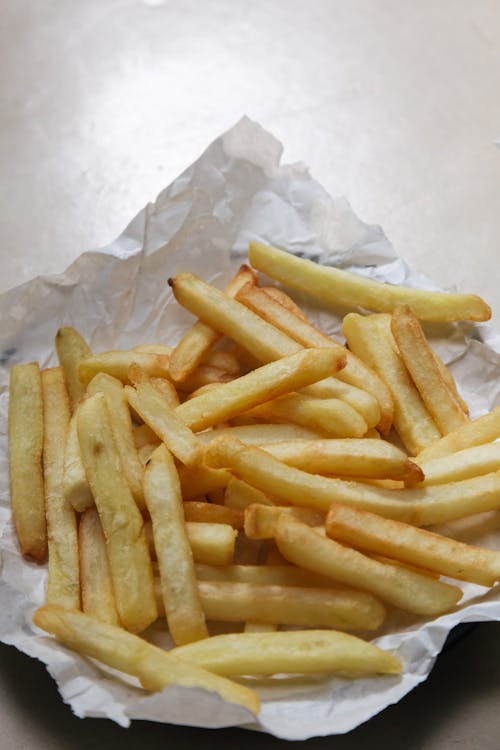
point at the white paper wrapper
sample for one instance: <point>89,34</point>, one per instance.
<point>118,297</point>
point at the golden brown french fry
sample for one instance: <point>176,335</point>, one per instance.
<point>121,424</point>
<point>121,520</point>
<point>153,666</point>
<point>261,521</point>
<point>118,363</point>
<point>330,416</point>
<point>424,549</point>
<point>334,287</point>
<point>155,410</point>
<point>404,588</point>
<point>25,460</point>
<point>181,600</point>
<point>420,362</point>
<point>281,297</point>
<point>282,574</point>
<point>348,457</point>
<point>200,338</point>
<point>356,372</point>
<point>240,495</point>
<point>63,585</point>
<point>98,599</point>
<point>212,513</point>
<point>200,480</point>
<point>464,464</point>
<point>289,653</point>
<point>269,381</point>
<point>419,506</point>
<point>259,434</point>
<point>72,349</point>
<point>76,488</point>
<point>289,605</point>
<point>371,339</point>
<point>478,431</point>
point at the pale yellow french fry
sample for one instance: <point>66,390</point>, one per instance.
<point>289,605</point>
<point>211,543</point>
<point>201,480</point>
<point>154,409</point>
<point>137,375</point>
<point>121,520</point>
<point>154,349</point>
<point>76,488</point>
<point>240,495</point>
<point>63,586</point>
<point>144,435</point>
<point>261,521</point>
<point>404,588</point>
<point>118,363</point>
<point>121,424</point>
<point>295,324</point>
<point>464,464</point>
<point>211,513</point>
<point>330,416</point>
<point>419,547</point>
<point>27,496</point>
<point>269,381</point>
<point>97,588</point>
<point>419,506</point>
<point>71,350</point>
<point>223,360</point>
<point>205,375</point>
<point>153,666</point>
<point>282,574</point>
<point>420,362</point>
<point>259,434</point>
<point>258,653</point>
<point>186,621</point>
<point>371,339</point>
<point>478,431</point>
<point>347,457</point>
<point>334,287</point>
<point>200,338</point>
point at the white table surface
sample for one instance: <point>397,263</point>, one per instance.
<point>393,103</point>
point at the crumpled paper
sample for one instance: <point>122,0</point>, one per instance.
<point>117,297</point>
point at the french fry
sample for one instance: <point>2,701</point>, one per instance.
<point>223,360</point>
<point>289,605</point>
<point>63,585</point>
<point>289,653</point>
<point>296,325</point>
<point>72,349</point>
<point>153,666</point>
<point>211,543</point>
<point>144,435</point>
<point>27,495</point>
<point>154,349</point>
<point>239,495</point>
<point>137,375</point>
<point>267,382</point>
<point>420,362</point>
<point>118,363</point>
<point>478,431</point>
<point>450,382</point>
<point>413,592</point>
<point>76,488</point>
<point>371,339</point>
<point>282,574</point>
<point>259,627</point>
<point>424,549</point>
<point>121,520</point>
<point>200,480</point>
<point>155,410</point>
<point>348,457</point>
<point>281,297</point>
<point>181,600</point>
<point>419,506</point>
<point>330,416</point>
<point>334,287</point>
<point>96,585</point>
<point>200,338</point>
<point>205,375</point>
<point>121,424</point>
<point>211,513</point>
<point>464,464</point>
<point>259,434</point>
<point>261,521</point>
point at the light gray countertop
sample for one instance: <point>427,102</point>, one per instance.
<point>393,103</point>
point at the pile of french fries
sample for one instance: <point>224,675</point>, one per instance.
<point>259,473</point>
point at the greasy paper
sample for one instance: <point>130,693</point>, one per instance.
<point>117,297</point>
